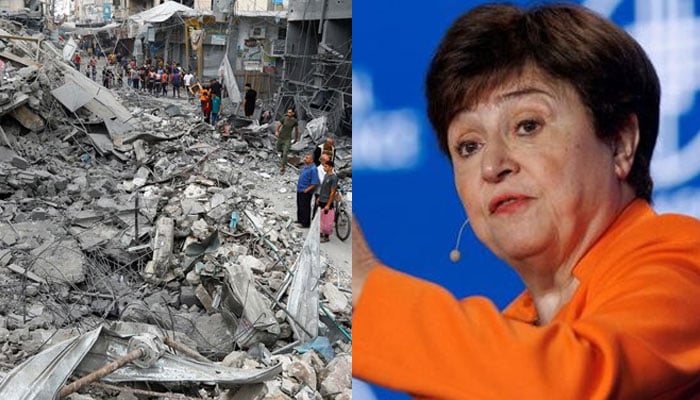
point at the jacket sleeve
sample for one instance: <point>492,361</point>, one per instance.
<point>636,335</point>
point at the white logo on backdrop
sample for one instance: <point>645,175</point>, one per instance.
<point>382,140</point>
<point>669,31</point>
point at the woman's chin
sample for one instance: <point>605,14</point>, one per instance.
<point>514,249</point>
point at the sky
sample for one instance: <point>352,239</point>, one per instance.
<point>404,190</point>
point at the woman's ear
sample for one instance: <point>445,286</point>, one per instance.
<point>625,147</point>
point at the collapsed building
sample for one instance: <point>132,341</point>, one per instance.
<point>145,251</point>
<point>318,62</point>
<point>299,56</point>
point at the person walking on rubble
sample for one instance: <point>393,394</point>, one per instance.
<point>306,185</point>
<point>284,136</point>
<point>249,100</point>
<point>325,201</point>
<point>205,100</point>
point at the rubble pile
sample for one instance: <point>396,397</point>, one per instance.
<point>126,219</point>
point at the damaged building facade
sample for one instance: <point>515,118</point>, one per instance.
<point>318,62</point>
<point>153,254</point>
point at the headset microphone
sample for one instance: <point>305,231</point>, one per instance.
<point>455,254</point>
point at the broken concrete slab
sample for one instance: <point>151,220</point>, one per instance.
<point>162,249</point>
<point>337,300</point>
<point>336,377</point>
<point>101,143</point>
<point>257,391</point>
<point>17,100</point>
<point>244,296</point>
<point>72,96</point>
<point>28,118</point>
<point>60,261</point>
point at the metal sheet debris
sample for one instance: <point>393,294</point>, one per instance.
<point>42,376</point>
<point>303,293</point>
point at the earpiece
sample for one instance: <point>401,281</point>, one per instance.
<point>455,254</point>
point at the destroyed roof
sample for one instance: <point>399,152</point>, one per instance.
<point>162,12</point>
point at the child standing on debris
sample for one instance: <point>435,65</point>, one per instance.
<point>284,136</point>
<point>215,108</point>
<point>205,99</point>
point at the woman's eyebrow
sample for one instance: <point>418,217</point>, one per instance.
<point>515,94</point>
<point>527,91</point>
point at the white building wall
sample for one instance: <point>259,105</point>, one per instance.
<point>14,5</point>
<point>252,5</point>
<point>202,5</point>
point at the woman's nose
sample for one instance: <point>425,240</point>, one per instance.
<point>497,161</point>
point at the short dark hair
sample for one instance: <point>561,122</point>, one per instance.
<point>609,70</point>
<point>330,163</point>
<point>248,85</point>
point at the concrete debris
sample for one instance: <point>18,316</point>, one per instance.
<point>125,214</point>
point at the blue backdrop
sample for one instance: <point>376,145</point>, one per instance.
<point>403,188</point>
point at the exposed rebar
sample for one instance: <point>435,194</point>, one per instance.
<point>184,349</point>
<point>100,373</point>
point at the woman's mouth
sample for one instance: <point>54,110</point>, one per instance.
<point>507,203</point>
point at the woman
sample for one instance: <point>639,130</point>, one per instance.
<point>549,117</point>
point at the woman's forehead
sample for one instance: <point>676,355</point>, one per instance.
<point>530,79</point>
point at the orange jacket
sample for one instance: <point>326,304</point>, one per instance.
<point>204,94</point>
<point>630,331</point>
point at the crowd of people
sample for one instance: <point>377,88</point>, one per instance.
<point>157,78</point>
<point>160,79</point>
